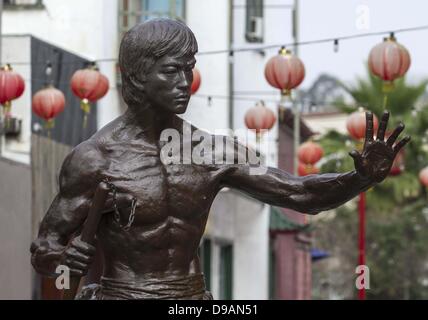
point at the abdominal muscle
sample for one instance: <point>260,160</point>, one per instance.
<point>167,249</point>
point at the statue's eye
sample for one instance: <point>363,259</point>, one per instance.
<point>170,70</point>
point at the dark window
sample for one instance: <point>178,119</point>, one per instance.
<point>254,28</point>
<point>68,128</point>
<point>132,12</point>
<point>23,4</point>
<point>226,272</point>
<point>205,257</point>
<point>163,8</point>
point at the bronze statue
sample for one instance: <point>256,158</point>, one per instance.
<point>156,213</point>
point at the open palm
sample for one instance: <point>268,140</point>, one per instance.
<point>377,156</point>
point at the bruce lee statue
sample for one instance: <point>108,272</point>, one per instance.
<point>155,214</point>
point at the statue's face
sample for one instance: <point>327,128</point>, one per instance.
<point>167,86</point>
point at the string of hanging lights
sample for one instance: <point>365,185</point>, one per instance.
<point>284,71</point>
<point>334,40</point>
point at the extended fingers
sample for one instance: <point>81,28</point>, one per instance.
<point>382,126</point>
<point>391,140</point>
<point>369,126</point>
<point>401,144</point>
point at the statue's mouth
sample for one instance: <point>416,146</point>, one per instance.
<point>182,98</point>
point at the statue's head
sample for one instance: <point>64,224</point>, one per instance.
<point>156,60</point>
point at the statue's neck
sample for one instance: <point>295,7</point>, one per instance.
<point>148,122</point>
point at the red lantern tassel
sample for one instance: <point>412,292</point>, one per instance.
<point>388,86</point>
<point>86,107</point>
<point>49,124</point>
<point>7,107</point>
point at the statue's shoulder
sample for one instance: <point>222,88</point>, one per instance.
<point>221,146</point>
<point>87,155</point>
<point>90,155</point>
<point>82,167</point>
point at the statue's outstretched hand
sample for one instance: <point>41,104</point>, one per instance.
<point>377,156</point>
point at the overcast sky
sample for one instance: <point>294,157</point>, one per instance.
<point>331,18</point>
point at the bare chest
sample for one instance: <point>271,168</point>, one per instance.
<point>161,190</point>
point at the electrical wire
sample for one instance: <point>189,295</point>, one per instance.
<point>318,41</point>
<point>243,95</point>
<point>264,47</point>
<point>209,97</point>
<point>234,97</point>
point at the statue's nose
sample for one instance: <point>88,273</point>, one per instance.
<point>184,82</point>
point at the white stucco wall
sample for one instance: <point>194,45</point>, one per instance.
<point>87,28</point>
<point>15,230</point>
<point>249,82</point>
<point>208,20</point>
<point>321,123</point>
<point>244,222</point>
<point>233,218</point>
<point>75,26</point>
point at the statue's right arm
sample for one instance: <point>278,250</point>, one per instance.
<point>79,175</point>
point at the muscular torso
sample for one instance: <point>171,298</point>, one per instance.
<point>172,204</point>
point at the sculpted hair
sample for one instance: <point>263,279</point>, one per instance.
<point>142,45</point>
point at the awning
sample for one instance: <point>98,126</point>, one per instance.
<point>317,254</point>
<point>280,222</point>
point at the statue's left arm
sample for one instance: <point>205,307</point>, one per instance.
<point>315,193</point>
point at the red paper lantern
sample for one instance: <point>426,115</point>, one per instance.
<point>196,81</point>
<point>260,118</point>
<point>284,71</point>
<point>398,164</point>
<point>12,86</point>
<point>389,60</point>
<point>101,90</point>
<point>356,124</point>
<point>304,170</point>
<point>405,60</point>
<point>89,85</point>
<point>47,103</point>
<point>310,153</point>
<point>423,176</point>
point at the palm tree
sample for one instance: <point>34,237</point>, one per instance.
<point>397,211</point>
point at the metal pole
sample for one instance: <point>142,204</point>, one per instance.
<point>362,239</point>
<point>295,103</point>
<point>230,67</point>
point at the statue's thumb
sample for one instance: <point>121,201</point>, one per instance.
<point>358,161</point>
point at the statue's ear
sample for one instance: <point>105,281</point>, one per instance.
<point>137,83</point>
